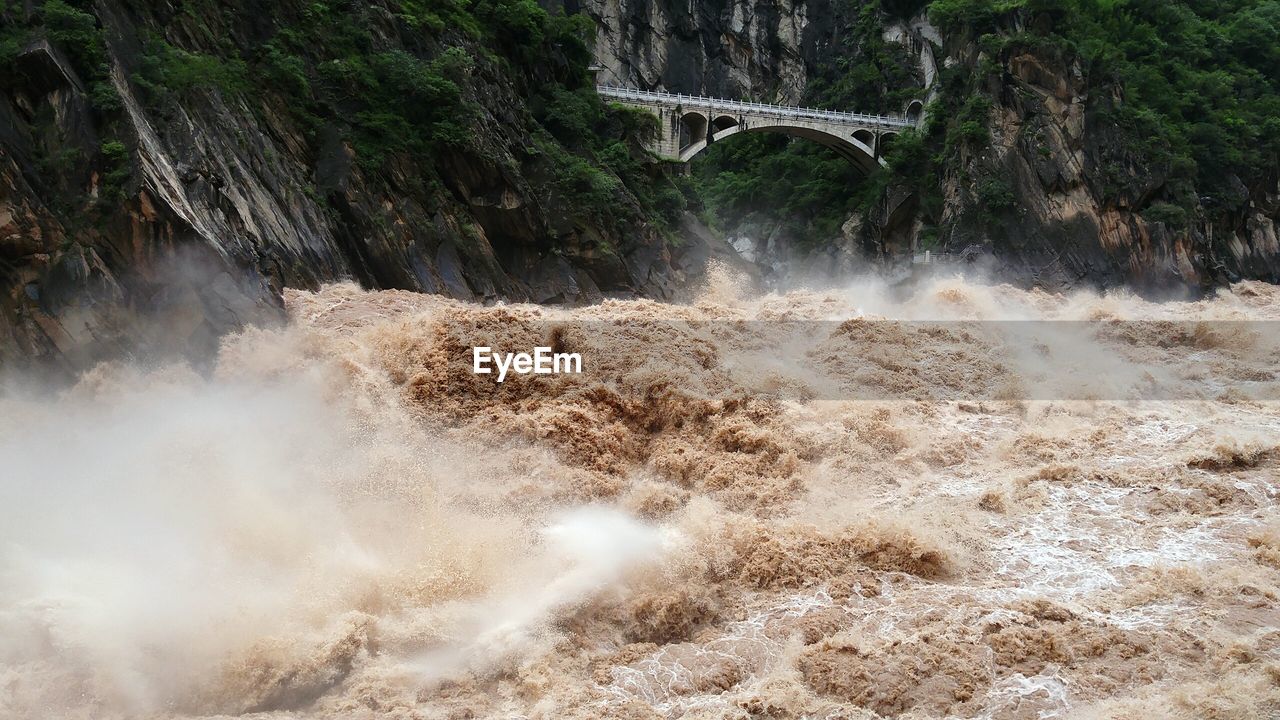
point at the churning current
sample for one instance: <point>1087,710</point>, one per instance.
<point>965,500</point>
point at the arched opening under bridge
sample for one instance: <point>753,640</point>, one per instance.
<point>859,146</point>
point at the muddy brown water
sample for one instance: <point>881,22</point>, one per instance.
<point>779,506</point>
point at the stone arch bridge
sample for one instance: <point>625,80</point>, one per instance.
<point>689,123</point>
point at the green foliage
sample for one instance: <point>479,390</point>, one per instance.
<point>572,115</point>
<point>903,9</point>
<point>995,196</point>
<point>811,189</point>
<point>286,71</point>
<point>1173,217</point>
<point>53,165</point>
<point>165,70</point>
<point>867,72</point>
<point>953,16</point>
<point>12,38</point>
<point>104,98</point>
<point>636,123</point>
<point>518,24</point>
<point>575,181</point>
<point>115,163</point>
<point>1198,86</point>
<point>114,151</point>
<point>1204,80</point>
<point>435,16</point>
<point>411,105</point>
<point>607,154</point>
<point>523,31</point>
<point>968,127</point>
<point>400,82</point>
<point>75,31</point>
<point>71,29</point>
<point>409,101</point>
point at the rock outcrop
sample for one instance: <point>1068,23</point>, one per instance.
<point>212,202</point>
<point>740,49</point>
<point>227,201</point>
<point>1051,147</point>
<point>1078,210</point>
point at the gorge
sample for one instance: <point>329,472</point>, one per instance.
<point>639,359</point>
<point>459,148</point>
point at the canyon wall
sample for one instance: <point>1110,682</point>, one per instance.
<point>163,224</point>
<point>221,199</point>
<point>759,49</point>
<point>1078,213</point>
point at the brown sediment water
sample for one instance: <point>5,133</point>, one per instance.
<point>973,501</point>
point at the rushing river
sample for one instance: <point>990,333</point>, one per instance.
<point>968,501</point>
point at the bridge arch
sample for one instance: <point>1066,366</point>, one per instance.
<point>857,148</point>
<point>886,141</point>
<point>723,122</point>
<point>693,128</point>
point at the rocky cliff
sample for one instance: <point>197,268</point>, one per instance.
<point>145,205</point>
<point>1082,204</point>
<point>759,49</point>
<point>167,168</point>
<point>1037,169</point>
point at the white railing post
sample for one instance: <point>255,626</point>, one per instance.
<point>779,111</point>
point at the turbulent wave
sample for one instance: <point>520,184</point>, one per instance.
<point>964,502</point>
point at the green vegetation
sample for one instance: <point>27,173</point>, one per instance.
<point>414,102</point>
<point>978,16</point>
<point>1171,215</point>
<point>115,158</point>
<point>867,72</point>
<point>166,71</point>
<point>1183,115</point>
<point>73,29</point>
<point>405,84</point>
<point>607,141</point>
<point>10,45</point>
<point>1198,82</point>
<point>809,188</point>
<point>410,106</point>
<point>995,197</point>
<point>324,66</point>
<point>1195,123</point>
<point>1201,87</point>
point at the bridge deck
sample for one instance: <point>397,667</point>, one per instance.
<point>783,111</point>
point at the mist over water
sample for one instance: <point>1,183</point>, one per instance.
<point>836,503</point>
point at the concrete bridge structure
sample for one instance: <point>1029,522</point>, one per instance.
<point>689,123</point>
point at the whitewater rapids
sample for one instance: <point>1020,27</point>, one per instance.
<point>973,501</point>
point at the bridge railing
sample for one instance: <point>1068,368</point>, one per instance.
<point>787,111</point>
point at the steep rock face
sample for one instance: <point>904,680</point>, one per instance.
<point>759,49</point>
<point>1075,209</point>
<point>228,201</point>
<point>1049,144</point>
<point>150,274</point>
<point>1076,214</point>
